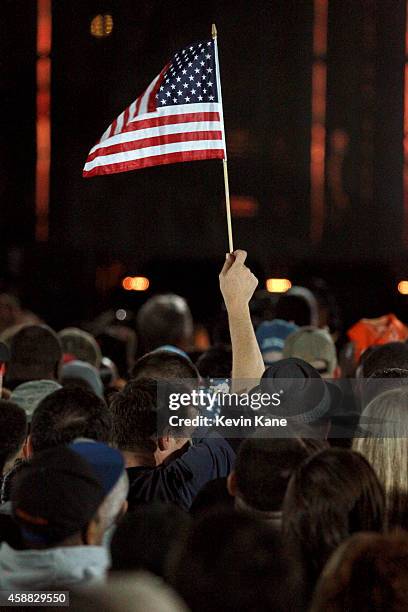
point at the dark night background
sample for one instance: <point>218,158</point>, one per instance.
<point>169,222</point>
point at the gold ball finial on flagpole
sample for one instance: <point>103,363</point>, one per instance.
<point>213,31</point>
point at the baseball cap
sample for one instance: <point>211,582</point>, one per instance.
<point>29,394</point>
<point>271,336</point>
<point>55,496</point>
<point>106,462</point>
<point>313,345</point>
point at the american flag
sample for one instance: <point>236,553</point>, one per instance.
<point>178,118</point>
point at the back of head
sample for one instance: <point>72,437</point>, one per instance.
<point>331,495</point>
<point>134,416</point>
<point>127,592</point>
<point>35,353</point>
<point>165,319</point>
<point>368,572</point>
<point>144,538</point>
<point>216,362</point>
<point>81,345</point>
<point>263,468</point>
<point>55,497</point>
<point>232,562</point>
<point>164,365</point>
<point>315,346</point>
<point>380,381</point>
<point>298,305</point>
<point>13,430</point>
<point>67,414</point>
<point>391,355</point>
<point>384,423</point>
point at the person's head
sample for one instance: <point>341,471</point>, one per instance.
<point>271,337</point>
<point>299,306</point>
<point>67,414</point>
<point>316,347</point>
<point>216,362</point>
<point>367,572</point>
<point>29,394</point>
<point>164,365</point>
<point>305,398</point>
<point>10,310</point>
<point>13,431</point>
<point>165,319</point>
<point>391,355</point>
<point>55,501</point>
<point>83,374</point>
<point>384,424</point>
<point>135,425</point>
<point>332,495</point>
<point>127,592</point>
<point>35,354</point>
<point>81,345</point>
<point>262,471</point>
<point>109,467</point>
<point>143,538</point>
<point>380,381</point>
<point>232,562</point>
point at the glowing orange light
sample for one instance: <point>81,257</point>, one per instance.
<point>318,131</point>
<point>101,26</point>
<point>403,287</point>
<point>43,123</point>
<point>278,285</point>
<point>135,283</point>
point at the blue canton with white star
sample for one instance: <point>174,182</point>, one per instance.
<point>191,77</point>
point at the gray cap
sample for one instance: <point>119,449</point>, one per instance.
<point>29,394</point>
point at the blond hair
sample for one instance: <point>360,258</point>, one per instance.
<point>385,445</point>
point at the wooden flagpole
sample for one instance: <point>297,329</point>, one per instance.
<point>224,161</point>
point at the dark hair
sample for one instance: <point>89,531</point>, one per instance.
<point>380,381</point>
<point>263,468</point>
<point>13,430</point>
<point>35,353</point>
<point>368,572</point>
<point>67,414</point>
<point>332,495</point>
<point>214,494</point>
<point>134,416</point>
<point>143,538</point>
<point>232,563</point>
<point>390,355</point>
<point>164,319</point>
<point>216,362</point>
<point>165,365</point>
<point>298,305</point>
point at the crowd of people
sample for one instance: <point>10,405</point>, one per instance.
<point>99,500</point>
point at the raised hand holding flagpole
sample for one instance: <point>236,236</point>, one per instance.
<point>224,161</point>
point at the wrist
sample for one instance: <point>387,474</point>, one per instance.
<point>238,311</point>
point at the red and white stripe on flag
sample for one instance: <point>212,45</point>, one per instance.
<point>146,135</point>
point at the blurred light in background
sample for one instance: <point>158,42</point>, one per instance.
<point>403,287</point>
<point>244,206</point>
<point>278,285</point>
<point>135,283</point>
<point>121,314</point>
<point>101,26</point>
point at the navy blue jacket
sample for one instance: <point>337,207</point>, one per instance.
<point>179,480</point>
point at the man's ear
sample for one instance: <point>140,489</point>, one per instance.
<point>93,534</point>
<point>28,448</point>
<point>163,443</point>
<point>232,484</point>
<point>122,511</point>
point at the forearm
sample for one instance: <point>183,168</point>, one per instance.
<point>247,361</point>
